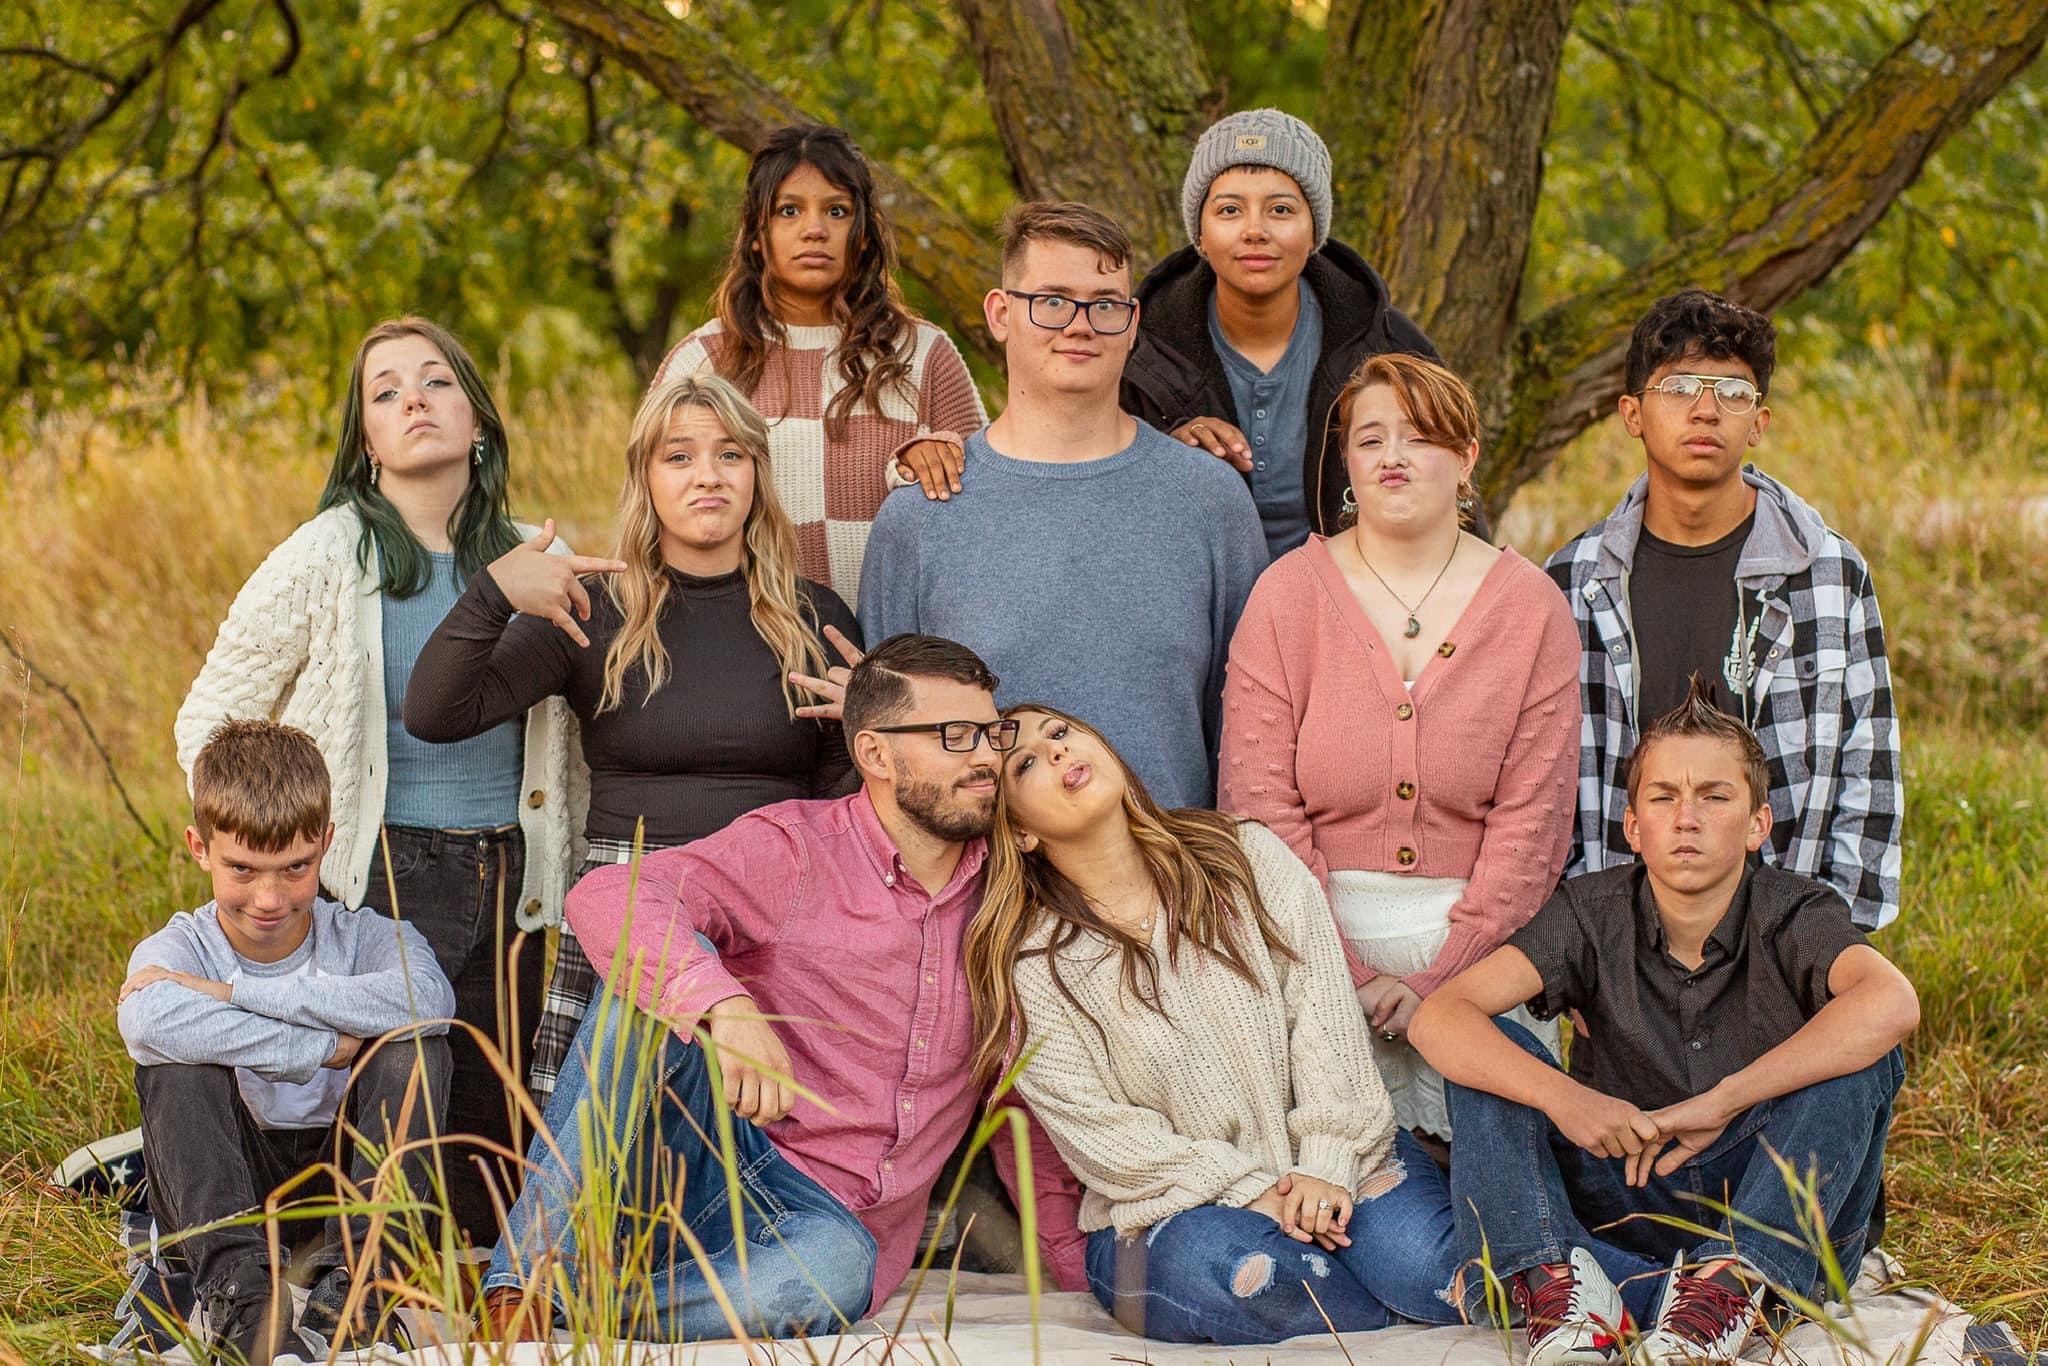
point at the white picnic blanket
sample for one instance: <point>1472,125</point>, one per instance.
<point>991,1326</point>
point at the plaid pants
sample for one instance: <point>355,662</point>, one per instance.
<point>571,985</point>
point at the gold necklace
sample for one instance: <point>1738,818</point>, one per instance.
<point>1414,627</point>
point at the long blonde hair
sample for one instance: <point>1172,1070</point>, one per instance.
<point>782,612</point>
<point>1198,867</point>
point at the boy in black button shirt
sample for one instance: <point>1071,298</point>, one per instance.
<point>1741,1017</point>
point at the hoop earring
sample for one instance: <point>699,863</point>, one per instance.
<point>1350,504</point>
<point>476,450</point>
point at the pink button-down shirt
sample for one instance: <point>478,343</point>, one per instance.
<point>816,918</point>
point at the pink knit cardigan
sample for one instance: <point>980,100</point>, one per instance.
<point>1470,776</point>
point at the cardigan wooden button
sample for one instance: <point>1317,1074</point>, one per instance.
<point>1405,791</point>
<point>1447,649</point>
<point>1404,711</point>
<point>531,910</point>
<point>1405,856</point>
<point>535,798</point>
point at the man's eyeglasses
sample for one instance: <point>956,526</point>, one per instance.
<point>962,736</point>
<point>1054,312</point>
<point>1731,394</point>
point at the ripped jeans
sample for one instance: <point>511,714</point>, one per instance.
<point>1223,1275</point>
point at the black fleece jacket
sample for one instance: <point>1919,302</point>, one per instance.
<point>1174,373</point>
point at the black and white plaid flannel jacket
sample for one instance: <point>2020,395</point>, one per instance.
<point>1820,698</point>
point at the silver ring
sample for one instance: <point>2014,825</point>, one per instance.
<point>1389,1035</point>
<point>1322,1204</point>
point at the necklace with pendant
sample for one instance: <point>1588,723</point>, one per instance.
<point>1414,627</point>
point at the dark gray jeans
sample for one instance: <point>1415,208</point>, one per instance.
<point>209,1159</point>
<point>461,890</point>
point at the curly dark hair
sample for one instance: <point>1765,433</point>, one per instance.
<point>880,335</point>
<point>1699,322</point>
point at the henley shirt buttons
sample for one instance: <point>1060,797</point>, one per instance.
<point>1405,791</point>
<point>1404,711</point>
<point>1406,858</point>
<point>1258,412</point>
<point>535,798</point>
<point>929,979</point>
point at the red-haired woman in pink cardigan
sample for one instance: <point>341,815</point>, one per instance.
<point>1403,709</point>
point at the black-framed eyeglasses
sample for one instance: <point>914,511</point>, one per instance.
<point>962,736</point>
<point>1732,394</point>
<point>1054,312</point>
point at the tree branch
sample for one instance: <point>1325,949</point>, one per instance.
<point>31,674</point>
<point>695,70</point>
<point>1566,366</point>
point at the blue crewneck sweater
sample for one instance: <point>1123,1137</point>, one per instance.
<point>1108,588</point>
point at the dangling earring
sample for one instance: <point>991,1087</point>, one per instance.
<point>476,451</point>
<point>374,467</point>
<point>1349,507</point>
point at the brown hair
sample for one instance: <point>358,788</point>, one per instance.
<point>1697,715</point>
<point>879,688</point>
<point>1431,396</point>
<point>1199,869</point>
<point>1062,220</point>
<point>261,782</point>
<point>879,336</point>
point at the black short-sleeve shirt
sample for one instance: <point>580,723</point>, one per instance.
<point>1665,1032</point>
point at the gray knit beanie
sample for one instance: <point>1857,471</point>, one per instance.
<point>1259,137</point>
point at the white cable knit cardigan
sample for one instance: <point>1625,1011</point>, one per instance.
<point>304,644</point>
<point>1237,1084</point>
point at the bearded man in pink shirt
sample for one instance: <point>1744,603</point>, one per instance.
<point>841,923</point>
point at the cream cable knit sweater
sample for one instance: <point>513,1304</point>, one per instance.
<point>1234,1086</point>
<point>304,644</point>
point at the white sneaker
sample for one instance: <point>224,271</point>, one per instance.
<point>1576,1319</point>
<point>1702,1320</point>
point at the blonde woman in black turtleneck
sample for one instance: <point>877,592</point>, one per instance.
<point>677,667</point>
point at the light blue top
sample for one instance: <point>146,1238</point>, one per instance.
<point>358,973</point>
<point>1108,588</point>
<point>1272,412</point>
<point>471,784</point>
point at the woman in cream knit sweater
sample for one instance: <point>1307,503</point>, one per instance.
<point>1196,1055</point>
<point>323,637</point>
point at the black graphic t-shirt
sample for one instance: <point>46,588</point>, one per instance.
<point>1688,620</point>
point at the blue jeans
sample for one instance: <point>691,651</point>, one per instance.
<point>1216,1274</point>
<point>1527,1195</point>
<point>630,1116</point>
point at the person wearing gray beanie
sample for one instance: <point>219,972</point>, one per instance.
<point>1247,333</point>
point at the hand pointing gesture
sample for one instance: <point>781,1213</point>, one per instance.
<point>832,687</point>
<point>539,584</point>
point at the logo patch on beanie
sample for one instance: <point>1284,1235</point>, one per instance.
<point>1250,142</point>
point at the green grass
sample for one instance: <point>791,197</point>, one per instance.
<point>127,552</point>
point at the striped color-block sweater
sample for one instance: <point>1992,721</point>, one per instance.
<point>833,488</point>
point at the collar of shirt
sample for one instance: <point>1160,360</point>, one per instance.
<point>1725,936</point>
<point>887,861</point>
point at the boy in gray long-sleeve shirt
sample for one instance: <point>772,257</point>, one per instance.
<point>1095,563</point>
<point>255,1023</point>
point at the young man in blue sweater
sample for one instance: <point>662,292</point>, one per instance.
<point>268,1027</point>
<point>1093,561</point>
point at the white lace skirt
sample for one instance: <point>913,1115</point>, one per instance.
<point>1396,924</point>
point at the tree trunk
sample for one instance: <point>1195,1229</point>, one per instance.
<point>1097,101</point>
<point>687,63</point>
<point>1565,367</point>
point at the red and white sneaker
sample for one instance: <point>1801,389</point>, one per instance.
<point>1575,1316</point>
<point>1704,1318</point>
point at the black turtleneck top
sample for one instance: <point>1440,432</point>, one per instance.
<point>714,742</point>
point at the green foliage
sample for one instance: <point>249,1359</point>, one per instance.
<point>240,200</point>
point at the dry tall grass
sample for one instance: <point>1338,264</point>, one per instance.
<point>125,548</point>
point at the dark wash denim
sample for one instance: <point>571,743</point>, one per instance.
<point>1225,1275</point>
<point>1530,1195</point>
<point>461,890</point>
<point>632,1087</point>
<point>209,1159</point>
